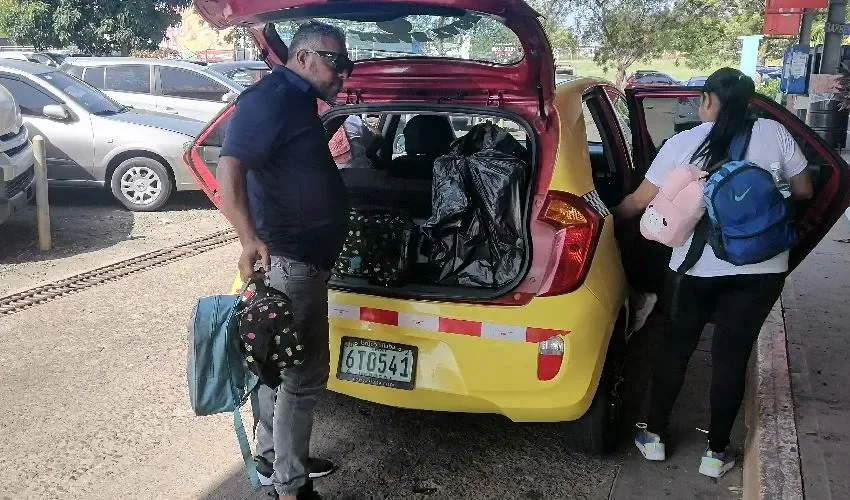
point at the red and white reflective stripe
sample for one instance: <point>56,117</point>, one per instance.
<point>442,325</point>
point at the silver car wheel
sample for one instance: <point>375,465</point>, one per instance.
<point>141,185</point>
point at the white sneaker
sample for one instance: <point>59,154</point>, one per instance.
<point>649,444</point>
<point>715,464</point>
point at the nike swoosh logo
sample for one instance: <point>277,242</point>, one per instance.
<point>739,198</point>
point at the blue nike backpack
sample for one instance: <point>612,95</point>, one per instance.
<point>218,379</point>
<point>747,219</point>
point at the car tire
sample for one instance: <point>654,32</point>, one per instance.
<point>142,184</point>
<point>598,430</point>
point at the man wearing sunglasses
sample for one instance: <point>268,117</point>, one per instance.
<point>284,195</point>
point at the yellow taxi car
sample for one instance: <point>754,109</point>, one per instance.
<point>546,342</point>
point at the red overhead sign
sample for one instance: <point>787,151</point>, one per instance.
<point>775,5</point>
<point>777,24</point>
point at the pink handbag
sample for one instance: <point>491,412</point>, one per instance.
<point>677,208</point>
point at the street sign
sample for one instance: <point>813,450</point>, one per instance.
<point>834,28</point>
<point>781,24</point>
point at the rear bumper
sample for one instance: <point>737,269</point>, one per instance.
<point>16,194</point>
<point>459,373</point>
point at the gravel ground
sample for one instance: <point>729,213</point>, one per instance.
<point>91,229</point>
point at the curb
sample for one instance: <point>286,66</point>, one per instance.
<point>772,457</point>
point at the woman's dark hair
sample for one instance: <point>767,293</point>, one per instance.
<point>734,90</point>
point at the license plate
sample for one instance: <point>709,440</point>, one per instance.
<point>377,363</point>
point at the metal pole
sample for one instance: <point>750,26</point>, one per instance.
<point>42,207</point>
<point>834,32</point>
<point>806,27</point>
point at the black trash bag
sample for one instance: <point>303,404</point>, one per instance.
<point>475,232</point>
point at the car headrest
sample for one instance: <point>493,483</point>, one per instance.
<point>428,135</point>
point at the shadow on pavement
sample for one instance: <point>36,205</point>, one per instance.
<point>385,452</point>
<point>393,453</point>
<point>82,221</point>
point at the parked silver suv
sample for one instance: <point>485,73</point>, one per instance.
<point>16,158</point>
<point>92,140</point>
<point>168,86</point>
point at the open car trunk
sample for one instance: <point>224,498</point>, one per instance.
<point>436,57</point>
<point>439,201</point>
<point>439,197</point>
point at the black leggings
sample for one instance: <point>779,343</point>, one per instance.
<point>740,304</point>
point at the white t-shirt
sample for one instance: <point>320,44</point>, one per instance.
<point>770,143</point>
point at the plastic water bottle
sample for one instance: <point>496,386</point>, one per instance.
<point>779,179</point>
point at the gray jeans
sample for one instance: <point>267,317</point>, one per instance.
<point>286,415</point>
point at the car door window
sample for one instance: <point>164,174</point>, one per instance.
<point>660,115</point>
<point>247,77</point>
<point>134,78</point>
<point>75,70</point>
<point>30,99</point>
<point>43,59</point>
<point>176,82</point>
<point>94,77</point>
<point>621,109</point>
<point>606,159</point>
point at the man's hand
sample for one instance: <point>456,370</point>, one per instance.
<point>253,250</point>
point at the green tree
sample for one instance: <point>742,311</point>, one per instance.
<point>27,23</point>
<point>626,31</point>
<point>706,32</point>
<point>94,26</point>
<point>554,19</point>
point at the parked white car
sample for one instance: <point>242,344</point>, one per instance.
<point>16,158</point>
<point>169,86</point>
<point>93,141</point>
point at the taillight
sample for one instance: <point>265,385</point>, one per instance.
<point>579,225</point>
<point>550,355</point>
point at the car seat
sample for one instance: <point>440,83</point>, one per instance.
<point>426,138</point>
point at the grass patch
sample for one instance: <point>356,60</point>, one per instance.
<point>586,67</point>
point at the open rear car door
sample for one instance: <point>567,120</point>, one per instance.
<point>657,114</point>
<point>523,83</point>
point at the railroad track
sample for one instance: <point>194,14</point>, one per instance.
<point>20,301</point>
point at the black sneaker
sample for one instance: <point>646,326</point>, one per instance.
<point>319,467</point>
<point>305,493</point>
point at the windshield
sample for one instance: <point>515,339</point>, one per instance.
<point>472,37</point>
<point>93,100</point>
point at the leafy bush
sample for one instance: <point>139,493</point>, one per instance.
<point>770,88</point>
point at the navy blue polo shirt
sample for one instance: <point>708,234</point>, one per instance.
<point>296,195</point>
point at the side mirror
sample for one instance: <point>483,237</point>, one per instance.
<point>229,96</point>
<point>55,112</point>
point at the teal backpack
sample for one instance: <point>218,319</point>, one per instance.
<point>218,379</point>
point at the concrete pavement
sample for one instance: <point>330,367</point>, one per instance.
<point>817,317</point>
<point>96,407</point>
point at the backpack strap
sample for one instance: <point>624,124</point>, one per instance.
<point>698,242</point>
<point>238,426</point>
<point>245,447</point>
<point>740,143</point>
<point>242,436</point>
